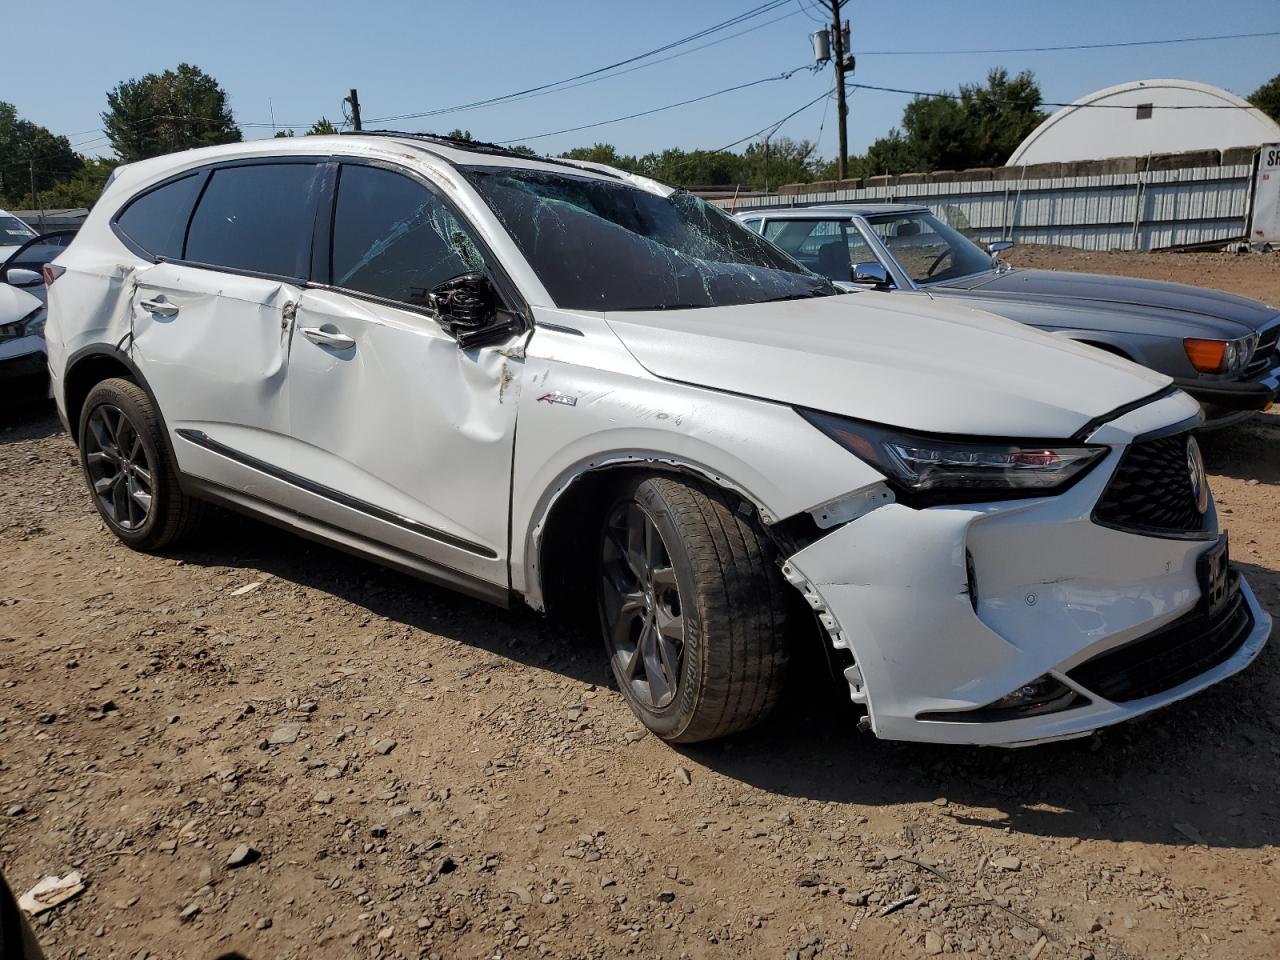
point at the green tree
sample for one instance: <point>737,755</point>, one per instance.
<point>322,128</point>
<point>980,127</point>
<point>603,153</point>
<point>27,146</point>
<point>163,112</point>
<point>770,163</point>
<point>82,189</point>
<point>279,134</point>
<point>694,168</point>
<point>457,133</point>
<point>1267,98</point>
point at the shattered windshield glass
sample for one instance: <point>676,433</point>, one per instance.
<point>607,245</point>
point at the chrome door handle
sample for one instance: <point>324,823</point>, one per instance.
<point>160,307</point>
<point>328,338</point>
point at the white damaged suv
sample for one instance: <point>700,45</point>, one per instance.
<point>557,382</point>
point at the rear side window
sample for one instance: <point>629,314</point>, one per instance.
<point>257,218</point>
<point>393,238</point>
<point>157,220</point>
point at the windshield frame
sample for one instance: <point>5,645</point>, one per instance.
<point>866,224</point>
<point>815,285</point>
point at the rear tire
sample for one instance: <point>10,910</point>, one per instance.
<point>691,608</point>
<point>130,468</point>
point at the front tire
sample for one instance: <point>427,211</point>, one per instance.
<point>130,469</point>
<point>691,607</point>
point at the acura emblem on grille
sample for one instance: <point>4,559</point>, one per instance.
<point>1195,469</point>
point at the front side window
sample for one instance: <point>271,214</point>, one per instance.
<point>394,238</point>
<point>603,244</point>
<point>828,247</point>
<point>928,249</point>
<point>157,220</point>
<point>257,218</point>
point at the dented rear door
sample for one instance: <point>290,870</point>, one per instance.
<point>210,330</point>
<point>214,349</point>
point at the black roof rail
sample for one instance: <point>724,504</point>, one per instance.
<point>475,146</point>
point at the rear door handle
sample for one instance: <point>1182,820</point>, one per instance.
<point>160,307</point>
<point>328,338</point>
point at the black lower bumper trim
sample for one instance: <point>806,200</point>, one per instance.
<point>1169,657</point>
<point>1230,395</point>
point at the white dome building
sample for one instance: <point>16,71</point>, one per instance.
<point>1126,121</point>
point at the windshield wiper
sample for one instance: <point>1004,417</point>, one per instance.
<point>802,296</point>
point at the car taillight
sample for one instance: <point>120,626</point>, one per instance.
<point>52,272</point>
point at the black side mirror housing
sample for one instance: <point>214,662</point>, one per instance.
<point>467,307</point>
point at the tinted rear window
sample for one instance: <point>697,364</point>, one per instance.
<point>157,220</point>
<point>257,218</point>
<point>394,238</point>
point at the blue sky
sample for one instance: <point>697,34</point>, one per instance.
<point>298,59</point>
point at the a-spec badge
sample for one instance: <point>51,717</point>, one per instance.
<point>557,397</point>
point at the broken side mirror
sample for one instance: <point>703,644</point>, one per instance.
<point>468,309</point>
<point>870,275</point>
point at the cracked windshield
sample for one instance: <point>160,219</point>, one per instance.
<point>600,244</point>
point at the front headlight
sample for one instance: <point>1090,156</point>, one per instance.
<point>1221,356</point>
<point>30,325</point>
<point>33,324</point>
<point>929,469</point>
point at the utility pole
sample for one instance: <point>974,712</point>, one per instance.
<point>837,39</point>
<point>354,100</point>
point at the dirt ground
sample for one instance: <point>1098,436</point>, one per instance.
<point>418,775</point>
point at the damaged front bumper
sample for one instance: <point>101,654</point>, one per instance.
<point>947,611</point>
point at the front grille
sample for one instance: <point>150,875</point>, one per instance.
<point>1266,355</point>
<point>1171,656</point>
<point>1151,490</point>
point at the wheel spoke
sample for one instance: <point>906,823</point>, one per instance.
<point>97,458</point>
<point>670,625</point>
<point>655,670</point>
<point>637,536</point>
<point>120,500</point>
<point>143,475</point>
<point>140,497</point>
<point>102,486</point>
<point>663,578</point>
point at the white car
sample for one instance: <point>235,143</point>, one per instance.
<point>22,318</point>
<point>554,382</point>
<point>13,234</point>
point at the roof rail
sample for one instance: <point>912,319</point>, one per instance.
<point>475,146</point>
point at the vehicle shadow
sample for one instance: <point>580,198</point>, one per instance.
<point>518,634</point>
<point>27,413</point>
<point>1249,451</point>
<point>1200,771</point>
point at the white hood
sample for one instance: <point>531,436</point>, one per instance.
<point>15,304</point>
<point>904,361</point>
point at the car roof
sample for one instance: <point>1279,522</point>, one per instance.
<point>835,210</point>
<point>385,143</point>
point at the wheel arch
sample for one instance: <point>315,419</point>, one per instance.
<point>556,530</point>
<point>88,367</point>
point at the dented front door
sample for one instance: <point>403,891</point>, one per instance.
<point>408,438</point>
<point>215,348</point>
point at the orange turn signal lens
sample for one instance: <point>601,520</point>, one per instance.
<point>1207,356</point>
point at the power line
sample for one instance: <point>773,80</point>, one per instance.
<point>642,66</point>
<point>750,14</point>
<point>1072,46</point>
<point>670,106</point>
<point>1050,103</point>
